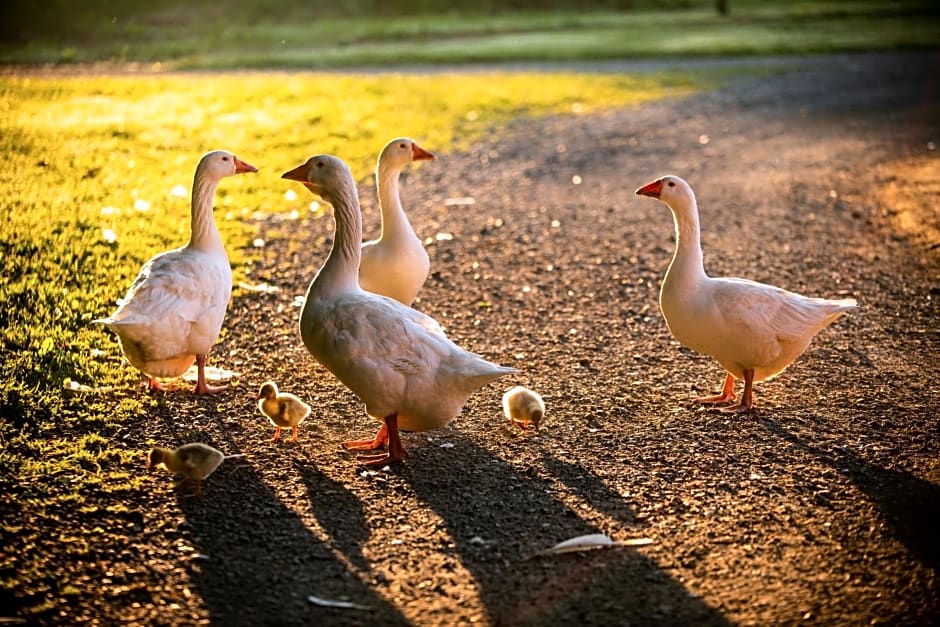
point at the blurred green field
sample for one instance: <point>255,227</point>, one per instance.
<point>278,34</point>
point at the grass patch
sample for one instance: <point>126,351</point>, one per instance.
<point>99,170</point>
<point>96,181</point>
<point>300,35</point>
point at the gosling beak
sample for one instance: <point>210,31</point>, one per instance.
<point>420,154</point>
<point>653,190</point>
<point>241,167</point>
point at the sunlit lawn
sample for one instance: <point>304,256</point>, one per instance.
<point>96,180</point>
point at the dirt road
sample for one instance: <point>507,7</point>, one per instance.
<point>818,507</point>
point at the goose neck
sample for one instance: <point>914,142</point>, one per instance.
<point>687,262</point>
<point>394,220</point>
<point>340,271</point>
<point>205,236</point>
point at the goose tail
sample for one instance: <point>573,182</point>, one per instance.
<point>836,308</point>
<point>491,373</point>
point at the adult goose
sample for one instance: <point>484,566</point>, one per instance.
<point>394,358</point>
<point>396,264</point>
<point>754,330</point>
<point>173,312</point>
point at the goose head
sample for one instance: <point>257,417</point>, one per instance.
<point>221,163</point>
<point>323,175</point>
<point>671,190</point>
<point>400,152</point>
<point>268,390</point>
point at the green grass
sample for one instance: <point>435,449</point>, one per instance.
<point>87,157</point>
<point>294,35</point>
<point>87,154</point>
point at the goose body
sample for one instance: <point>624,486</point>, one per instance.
<point>194,461</point>
<point>283,409</point>
<point>522,406</point>
<point>173,312</point>
<point>395,359</point>
<point>396,264</point>
<point>752,329</point>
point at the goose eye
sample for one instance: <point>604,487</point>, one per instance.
<point>319,164</point>
<point>671,184</point>
<point>401,146</point>
<point>224,158</point>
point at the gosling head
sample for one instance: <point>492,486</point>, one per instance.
<point>536,417</point>
<point>268,390</point>
<point>158,455</point>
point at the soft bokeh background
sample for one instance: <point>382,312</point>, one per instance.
<point>253,33</point>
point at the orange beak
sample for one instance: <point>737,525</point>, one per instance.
<point>420,154</point>
<point>653,190</point>
<point>297,174</point>
<point>241,167</point>
<point>300,174</point>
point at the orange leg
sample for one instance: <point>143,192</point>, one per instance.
<point>747,400</point>
<point>277,434</point>
<point>396,452</point>
<point>380,440</point>
<point>181,486</point>
<point>154,384</point>
<point>295,433</point>
<point>201,386</point>
<point>521,423</point>
<point>727,392</point>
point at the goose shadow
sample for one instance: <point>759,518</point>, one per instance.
<point>487,506</point>
<point>256,561</point>
<point>909,504</point>
<point>588,485</point>
<point>339,512</point>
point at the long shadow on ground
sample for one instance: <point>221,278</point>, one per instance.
<point>339,512</point>
<point>483,504</point>
<point>262,561</point>
<point>911,505</point>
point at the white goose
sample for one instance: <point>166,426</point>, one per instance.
<point>397,360</point>
<point>754,330</point>
<point>396,264</point>
<point>173,312</point>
